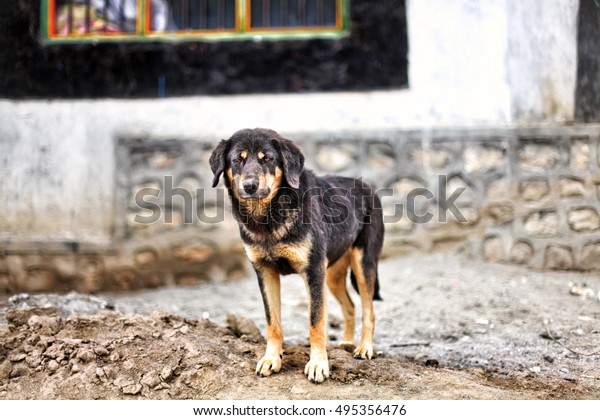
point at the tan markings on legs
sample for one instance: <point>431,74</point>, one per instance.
<point>271,362</point>
<point>336,280</point>
<point>365,289</point>
<point>317,368</point>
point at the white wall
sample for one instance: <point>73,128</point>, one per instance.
<point>471,63</point>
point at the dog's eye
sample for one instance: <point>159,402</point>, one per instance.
<point>238,160</point>
<point>267,158</point>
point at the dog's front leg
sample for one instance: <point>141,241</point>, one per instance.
<point>268,280</point>
<point>317,368</point>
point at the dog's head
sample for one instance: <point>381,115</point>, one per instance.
<point>257,163</point>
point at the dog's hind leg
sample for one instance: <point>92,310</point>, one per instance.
<point>269,282</point>
<point>364,270</point>
<point>336,280</point>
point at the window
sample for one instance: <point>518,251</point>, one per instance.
<point>140,20</point>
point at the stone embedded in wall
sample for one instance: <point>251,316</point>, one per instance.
<point>191,279</point>
<point>381,157</point>
<point>145,257</point>
<point>580,154</point>
<point>501,212</point>
<point>38,279</point>
<point>571,188</point>
<point>542,224</point>
<point>435,157</point>
<point>521,252</point>
<point>127,278</point>
<point>493,249</point>
<point>7,282</point>
<point>406,195</point>
<point>499,189</point>
<point>533,189</point>
<point>558,257</point>
<point>539,157</point>
<point>590,256</point>
<point>465,192</point>
<point>335,158</point>
<point>196,253</point>
<point>90,272</point>
<point>482,159</point>
<point>584,219</point>
<point>162,159</point>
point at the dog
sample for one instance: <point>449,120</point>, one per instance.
<point>292,221</point>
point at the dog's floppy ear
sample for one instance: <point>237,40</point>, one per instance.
<point>217,160</point>
<point>293,161</point>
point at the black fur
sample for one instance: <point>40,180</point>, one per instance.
<point>337,213</point>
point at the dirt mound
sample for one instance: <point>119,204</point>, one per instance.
<point>108,355</point>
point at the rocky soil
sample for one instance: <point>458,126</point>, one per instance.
<point>449,328</point>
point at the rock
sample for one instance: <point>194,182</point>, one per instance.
<point>584,219</point>
<point>150,379</point>
<point>590,256</point>
<point>46,325</point>
<point>493,249</point>
<point>542,224</point>
<point>86,355</point>
<point>335,158</point>
<point>166,374</point>
<point>521,252</point>
<point>535,369</point>
<point>570,188</point>
<point>52,366</point>
<point>18,371</point>
<point>241,326</point>
<point>558,257</point>
<point>436,157</point>
<point>534,189</point>
<point>55,351</point>
<point>34,359</point>
<point>18,317</point>
<point>132,389</point>
<point>101,351</point>
<point>500,213</point>
<point>5,369</point>
<point>19,357</point>
<point>580,155</point>
<point>538,157</point>
<point>482,158</point>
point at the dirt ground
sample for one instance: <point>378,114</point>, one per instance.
<point>448,328</point>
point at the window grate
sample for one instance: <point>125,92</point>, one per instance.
<point>226,19</point>
<point>91,17</point>
<point>293,13</point>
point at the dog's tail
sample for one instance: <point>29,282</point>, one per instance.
<point>376,295</point>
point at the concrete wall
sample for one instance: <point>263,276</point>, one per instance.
<point>492,64</point>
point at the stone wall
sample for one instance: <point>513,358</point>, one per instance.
<point>531,196</point>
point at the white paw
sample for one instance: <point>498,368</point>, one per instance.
<point>364,351</point>
<point>268,365</point>
<point>317,370</point>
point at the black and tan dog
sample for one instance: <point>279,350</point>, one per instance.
<point>292,221</point>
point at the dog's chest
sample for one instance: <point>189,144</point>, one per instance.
<point>284,258</point>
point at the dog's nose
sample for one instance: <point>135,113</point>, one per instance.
<point>250,186</point>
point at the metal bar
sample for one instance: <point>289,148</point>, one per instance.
<point>70,17</point>
<point>202,12</point>
<point>221,14</point>
<point>121,15</point>
<point>266,13</point>
<point>320,13</point>
<point>185,14</point>
<point>88,16</point>
<point>284,13</point>
<point>105,13</point>
<point>302,13</point>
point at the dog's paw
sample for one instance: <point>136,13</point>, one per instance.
<point>268,365</point>
<point>317,370</point>
<point>364,351</point>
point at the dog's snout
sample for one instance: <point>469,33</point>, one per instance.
<point>250,186</point>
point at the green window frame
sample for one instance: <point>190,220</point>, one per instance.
<point>78,21</point>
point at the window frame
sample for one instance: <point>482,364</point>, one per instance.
<point>241,32</point>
